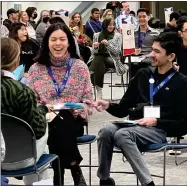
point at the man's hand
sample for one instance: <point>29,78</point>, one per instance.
<point>101,105</point>
<point>149,122</point>
<point>176,66</point>
<point>104,41</point>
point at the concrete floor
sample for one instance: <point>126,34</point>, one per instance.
<point>175,175</point>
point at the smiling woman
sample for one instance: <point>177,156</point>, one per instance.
<point>59,76</point>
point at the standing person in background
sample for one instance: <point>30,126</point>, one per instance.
<point>29,46</point>
<point>107,13</point>
<point>4,30</point>
<point>52,13</point>
<point>41,28</point>
<point>115,6</point>
<point>172,24</point>
<point>93,25</point>
<point>129,19</point>
<point>23,18</point>
<point>32,13</point>
<point>12,15</point>
<point>58,59</point>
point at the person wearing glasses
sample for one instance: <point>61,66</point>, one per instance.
<point>182,55</point>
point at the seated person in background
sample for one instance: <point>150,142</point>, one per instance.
<point>24,18</point>
<point>84,41</point>
<point>106,53</point>
<point>107,13</point>
<point>143,40</point>
<point>168,90</point>
<point>182,54</point>
<point>93,25</point>
<point>29,46</point>
<point>32,14</point>
<point>172,24</point>
<point>19,100</point>
<point>59,76</point>
<point>41,26</point>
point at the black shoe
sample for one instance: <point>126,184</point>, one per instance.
<point>19,177</point>
<point>109,182</point>
<point>77,175</point>
<point>151,184</point>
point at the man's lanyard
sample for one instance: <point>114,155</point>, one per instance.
<point>57,87</point>
<point>141,36</point>
<point>153,90</point>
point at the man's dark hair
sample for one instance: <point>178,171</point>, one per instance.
<point>175,15</point>
<point>143,10</point>
<point>132,12</point>
<point>180,22</point>
<point>30,11</point>
<point>182,12</point>
<point>56,19</point>
<point>43,56</point>
<point>94,10</point>
<point>170,41</point>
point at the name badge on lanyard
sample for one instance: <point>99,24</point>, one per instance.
<point>154,111</point>
<point>59,89</point>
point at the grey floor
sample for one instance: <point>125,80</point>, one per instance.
<point>176,175</point>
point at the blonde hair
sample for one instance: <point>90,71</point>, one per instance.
<point>105,13</point>
<point>80,24</point>
<point>10,52</point>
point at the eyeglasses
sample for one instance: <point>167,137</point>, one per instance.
<point>185,31</point>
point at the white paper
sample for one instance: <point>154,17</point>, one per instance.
<point>167,12</point>
<point>151,112</point>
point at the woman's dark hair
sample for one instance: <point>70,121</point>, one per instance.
<point>43,56</point>
<point>30,11</point>
<point>51,12</point>
<point>14,30</point>
<point>57,19</point>
<point>106,22</point>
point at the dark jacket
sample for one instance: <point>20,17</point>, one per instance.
<point>96,26</point>
<point>29,50</point>
<point>172,98</point>
<point>170,28</point>
<point>7,23</point>
<point>33,23</point>
<point>182,61</point>
<point>19,100</point>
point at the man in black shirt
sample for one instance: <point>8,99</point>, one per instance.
<point>172,24</point>
<point>182,54</point>
<point>156,102</point>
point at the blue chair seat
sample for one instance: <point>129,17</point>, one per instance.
<point>43,161</point>
<point>167,146</point>
<point>86,139</point>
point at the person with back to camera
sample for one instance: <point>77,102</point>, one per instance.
<point>20,101</point>
<point>59,76</point>
<point>156,102</point>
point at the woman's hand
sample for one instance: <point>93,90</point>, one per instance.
<point>96,45</point>
<point>105,42</point>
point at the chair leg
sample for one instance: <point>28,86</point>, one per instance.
<point>164,169</point>
<point>90,164</point>
<point>137,182</point>
<point>111,85</point>
<point>59,170</point>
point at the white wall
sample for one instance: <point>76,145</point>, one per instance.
<point>70,6</point>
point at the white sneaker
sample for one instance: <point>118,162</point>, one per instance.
<point>172,152</point>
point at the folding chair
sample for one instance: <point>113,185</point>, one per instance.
<point>87,139</point>
<point>20,142</point>
<point>152,148</point>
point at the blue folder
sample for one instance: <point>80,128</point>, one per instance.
<point>19,72</point>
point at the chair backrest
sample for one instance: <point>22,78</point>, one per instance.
<point>20,140</point>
